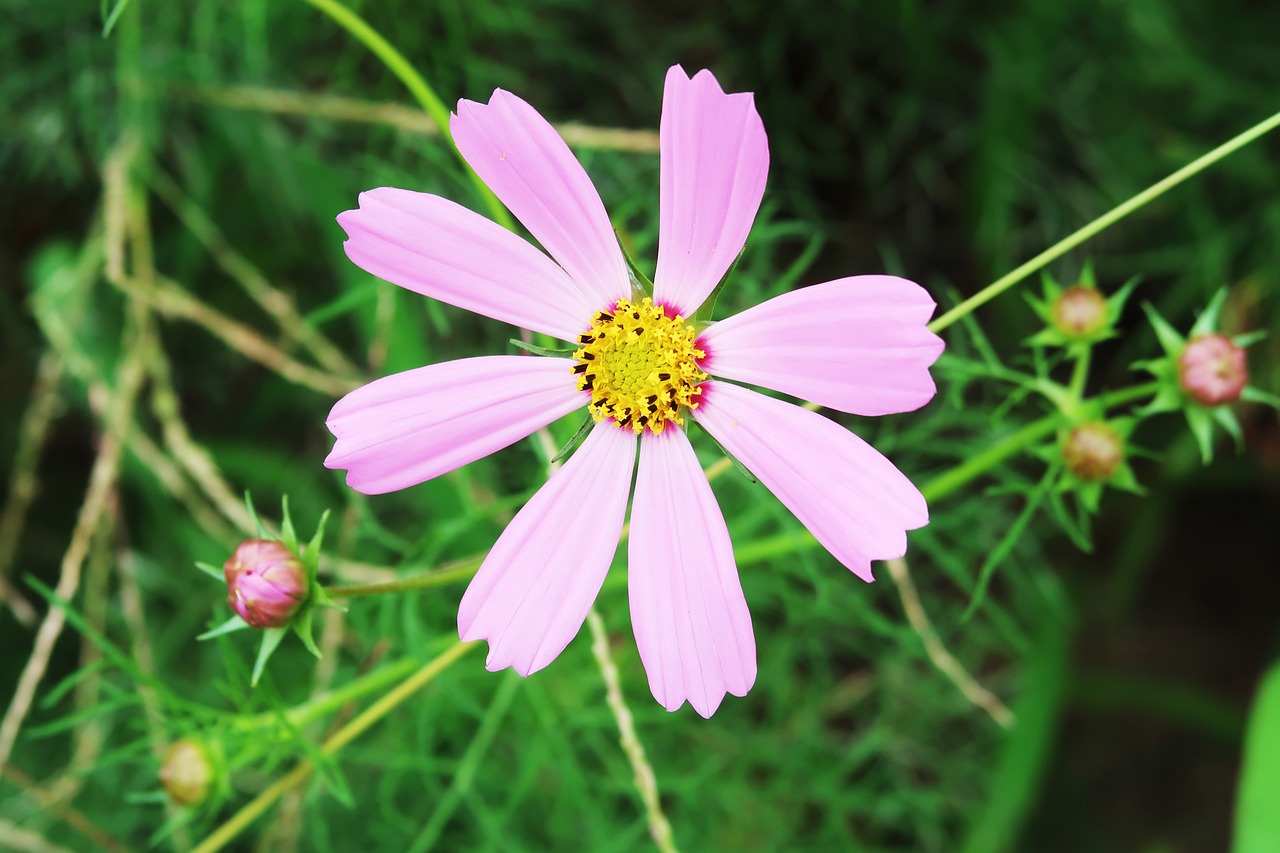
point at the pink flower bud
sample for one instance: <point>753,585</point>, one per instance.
<point>1079,312</point>
<point>266,583</point>
<point>1093,451</point>
<point>186,772</point>
<point>1212,370</point>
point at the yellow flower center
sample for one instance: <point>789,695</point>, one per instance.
<point>640,365</point>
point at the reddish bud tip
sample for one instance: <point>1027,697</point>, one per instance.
<point>1079,312</point>
<point>1093,451</point>
<point>1212,370</point>
<point>266,583</point>
<point>186,772</point>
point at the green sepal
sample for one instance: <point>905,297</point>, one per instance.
<point>235,623</point>
<point>707,308</point>
<point>1124,479</point>
<point>1208,321</point>
<point>572,444</point>
<point>741,469</point>
<point>1248,339</point>
<point>288,535</point>
<point>214,572</point>
<point>271,638</point>
<point>1170,340</point>
<point>253,514</point>
<point>1227,420</point>
<point>639,281</point>
<point>537,350</point>
<point>310,555</point>
<point>301,625</point>
<point>1257,395</point>
<point>1089,494</point>
<point>1201,423</point>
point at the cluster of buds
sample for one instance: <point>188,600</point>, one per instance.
<point>1200,374</point>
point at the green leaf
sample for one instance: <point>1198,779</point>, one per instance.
<point>1007,542</point>
<point>1257,819</point>
<point>1028,750</point>
<point>109,18</point>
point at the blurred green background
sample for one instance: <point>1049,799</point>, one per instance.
<point>943,141</point>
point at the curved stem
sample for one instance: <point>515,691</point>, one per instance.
<point>417,86</point>
<point>1103,222</point>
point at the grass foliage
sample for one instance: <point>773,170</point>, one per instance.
<point>202,150</point>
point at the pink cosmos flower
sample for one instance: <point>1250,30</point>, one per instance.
<point>857,345</point>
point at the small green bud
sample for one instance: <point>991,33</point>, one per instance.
<point>1079,312</point>
<point>1212,369</point>
<point>186,772</point>
<point>266,583</point>
<point>1093,451</point>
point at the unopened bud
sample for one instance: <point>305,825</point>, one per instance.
<point>186,772</point>
<point>266,583</point>
<point>1079,312</point>
<point>1093,451</point>
<point>1212,370</point>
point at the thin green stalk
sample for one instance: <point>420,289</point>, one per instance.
<point>459,570</point>
<point>1079,374</point>
<point>417,86</point>
<point>1103,222</point>
<point>334,699</point>
<point>256,807</point>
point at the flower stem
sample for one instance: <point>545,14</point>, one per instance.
<point>417,86</point>
<point>455,571</point>
<point>220,837</point>
<point>1103,222</point>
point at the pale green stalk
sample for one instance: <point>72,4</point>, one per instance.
<point>1103,222</point>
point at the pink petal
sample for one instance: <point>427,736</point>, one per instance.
<point>687,609</point>
<point>531,169</point>
<point>440,249</point>
<point>856,344</point>
<point>852,499</point>
<point>533,591</point>
<point>409,427</point>
<point>715,159</point>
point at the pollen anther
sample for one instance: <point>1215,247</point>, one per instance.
<point>640,365</point>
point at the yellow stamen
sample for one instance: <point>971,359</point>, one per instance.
<point>640,365</point>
